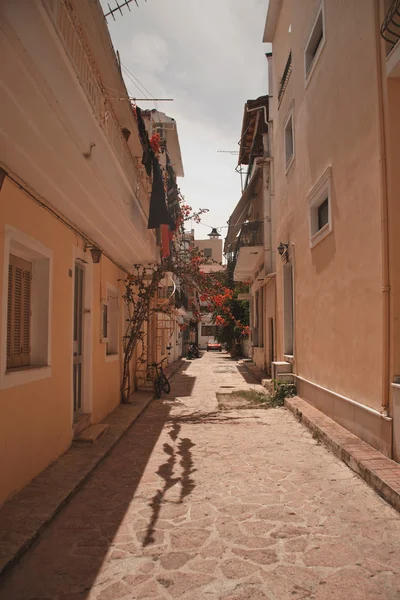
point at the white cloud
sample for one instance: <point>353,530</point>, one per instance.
<point>154,60</point>
<point>209,57</point>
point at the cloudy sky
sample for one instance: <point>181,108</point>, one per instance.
<point>209,57</point>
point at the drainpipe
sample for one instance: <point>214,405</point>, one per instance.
<point>384,224</point>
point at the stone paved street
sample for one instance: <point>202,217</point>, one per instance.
<point>197,503</point>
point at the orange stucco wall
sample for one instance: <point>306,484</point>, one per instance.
<point>35,424</point>
<point>37,417</point>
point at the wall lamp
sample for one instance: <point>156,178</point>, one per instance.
<point>95,252</point>
<point>283,248</point>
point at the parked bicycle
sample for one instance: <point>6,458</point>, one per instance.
<point>161,383</point>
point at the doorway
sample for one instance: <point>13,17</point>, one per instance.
<point>77,376</point>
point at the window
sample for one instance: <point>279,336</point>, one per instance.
<point>319,202</point>
<point>208,330</point>
<point>315,43</point>
<point>208,252</point>
<point>19,312</point>
<point>323,214</point>
<point>104,322</point>
<point>110,333</point>
<point>26,316</point>
<point>289,140</point>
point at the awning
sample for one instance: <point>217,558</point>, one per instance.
<point>239,215</point>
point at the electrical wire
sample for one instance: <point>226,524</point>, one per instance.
<point>131,75</point>
<point>63,220</point>
<point>133,81</point>
<point>134,77</point>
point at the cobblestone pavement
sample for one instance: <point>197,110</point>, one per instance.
<point>194,503</point>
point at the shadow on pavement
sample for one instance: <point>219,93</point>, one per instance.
<point>166,472</point>
<point>202,418</point>
<point>248,377</point>
<point>67,558</point>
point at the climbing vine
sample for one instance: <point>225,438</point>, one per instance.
<point>184,264</point>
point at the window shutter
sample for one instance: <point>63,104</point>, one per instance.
<point>19,312</point>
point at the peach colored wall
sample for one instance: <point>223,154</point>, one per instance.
<point>392,94</point>
<point>36,418</point>
<point>261,355</point>
<point>337,283</point>
<point>106,372</point>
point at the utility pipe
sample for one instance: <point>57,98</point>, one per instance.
<point>384,223</point>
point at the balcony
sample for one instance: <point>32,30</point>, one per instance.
<point>249,250</point>
<point>181,300</point>
<point>390,31</point>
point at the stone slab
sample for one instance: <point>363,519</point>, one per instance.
<point>91,434</point>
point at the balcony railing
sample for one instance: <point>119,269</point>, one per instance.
<point>390,30</point>
<point>181,300</point>
<point>75,46</point>
<point>252,234</point>
<point>285,77</point>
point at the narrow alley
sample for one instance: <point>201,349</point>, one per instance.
<point>196,502</point>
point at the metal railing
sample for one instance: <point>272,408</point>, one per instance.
<point>390,29</point>
<point>78,52</point>
<point>252,234</point>
<point>285,77</point>
<point>181,300</point>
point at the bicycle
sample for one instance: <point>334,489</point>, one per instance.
<point>161,383</point>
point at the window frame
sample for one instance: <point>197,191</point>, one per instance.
<point>113,320</point>
<point>321,192</point>
<point>311,68</point>
<point>289,117</point>
<point>23,246</point>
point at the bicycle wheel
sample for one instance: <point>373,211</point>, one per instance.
<point>165,384</point>
<point>157,387</point>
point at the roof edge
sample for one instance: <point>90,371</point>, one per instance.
<point>274,9</point>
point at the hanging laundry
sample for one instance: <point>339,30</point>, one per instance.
<point>174,208</point>
<point>158,213</point>
<point>148,154</point>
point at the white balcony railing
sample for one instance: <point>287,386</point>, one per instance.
<point>74,43</point>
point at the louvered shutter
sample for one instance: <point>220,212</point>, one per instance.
<point>19,312</point>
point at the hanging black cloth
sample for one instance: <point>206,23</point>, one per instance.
<point>158,213</point>
<point>172,196</point>
<point>148,153</point>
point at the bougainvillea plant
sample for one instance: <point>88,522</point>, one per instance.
<point>184,264</point>
<point>230,313</point>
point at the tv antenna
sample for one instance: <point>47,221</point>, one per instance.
<point>119,8</point>
<point>228,151</point>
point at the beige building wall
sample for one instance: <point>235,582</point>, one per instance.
<point>337,283</point>
<point>215,246</point>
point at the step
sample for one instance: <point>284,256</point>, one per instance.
<point>279,367</point>
<point>82,422</point>
<point>286,378</point>
<point>268,384</point>
<point>91,434</point>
